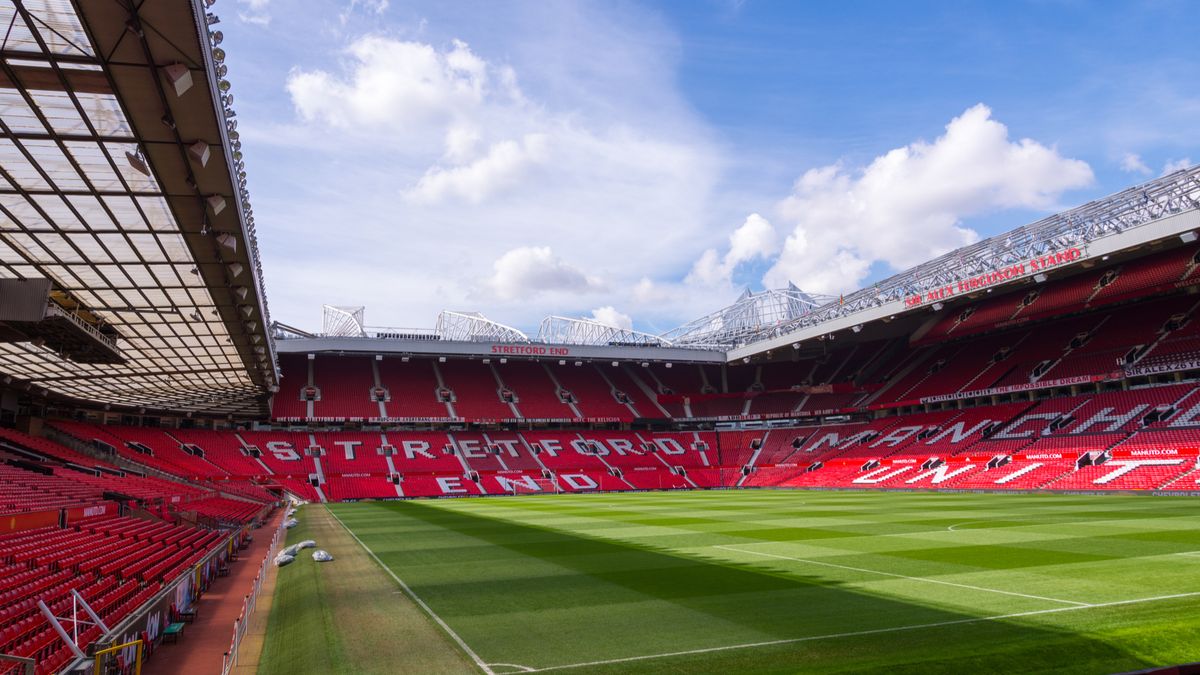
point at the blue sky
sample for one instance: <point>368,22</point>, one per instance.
<point>643,162</point>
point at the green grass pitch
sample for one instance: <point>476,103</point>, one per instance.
<point>792,581</point>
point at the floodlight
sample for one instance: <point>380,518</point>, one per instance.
<point>228,241</point>
<point>137,162</point>
<point>200,152</point>
<point>1187,237</point>
<point>179,76</point>
<point>1039,278</point>
<point>235,269</point>
<point>216,203</point>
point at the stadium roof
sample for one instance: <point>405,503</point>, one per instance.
<point>121,181</point>
<point>1154,210</point>
<point>748,316</point>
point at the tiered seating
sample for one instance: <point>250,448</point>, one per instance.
<point>1025,472</point>
<point>476,391</point>
<point>510,482</point>
<point>25,491</point>
<point>1139,278</point>
<point>967,369</point>
<point>223,510</point>
<point>636,389</point>
<point>360,487</point>
<point>681,379</point>
<point>424,452</point>
<point>351,452</point>
<point>562,451</point>
<point>345,384</point>
<point>719,407</point>
<point>287,404</point>
<point>1149,474</point>
<point>776,403</point>
<point>116,564</point>
<point>167,455</point>
<point>50,449</point>
<point>223,449</point>
<point>734,446</point>
<point>538,397</point>
<point>593,395</point>
<point>413,387</point>
<point>282,451</point>
<point>296,486</point>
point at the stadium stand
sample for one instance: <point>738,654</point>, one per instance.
<point>149,444</point>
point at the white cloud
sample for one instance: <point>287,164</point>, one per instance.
<point>755,238</point>
<point>376,7</point>
<point>609,316</point>
<point>529,271</point>
<point>256,12</point>
<point>402,87</point>
<point>1174,165</point>
<point>908,204</point>
<point>1132,163</point>
<point>517,203</point>
<point>501,167</point>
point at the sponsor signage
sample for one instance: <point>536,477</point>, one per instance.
<point>1025,386</point>
<point>1156,452</point>
<point>529,350</point>
<point>995,277</point>
<point>1163,367</point>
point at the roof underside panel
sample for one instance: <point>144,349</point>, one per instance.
<point>81,203</point>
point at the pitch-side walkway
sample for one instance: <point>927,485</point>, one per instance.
<point>203,644</point>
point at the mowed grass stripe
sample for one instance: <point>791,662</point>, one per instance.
<point>842,636</point>
<point>925,580</point>
<point>570,579</point>
<point>347,616</point>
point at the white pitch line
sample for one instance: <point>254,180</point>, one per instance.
<point>519,667</point>
<point>874,631</point>
<point>902,576</point>
<point>415,598</point>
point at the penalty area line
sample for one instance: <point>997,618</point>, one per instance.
<point>415,598</point>
<point>860,633</point>
<point>903,576</point>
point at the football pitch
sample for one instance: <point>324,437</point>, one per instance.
<point>753,581</point>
